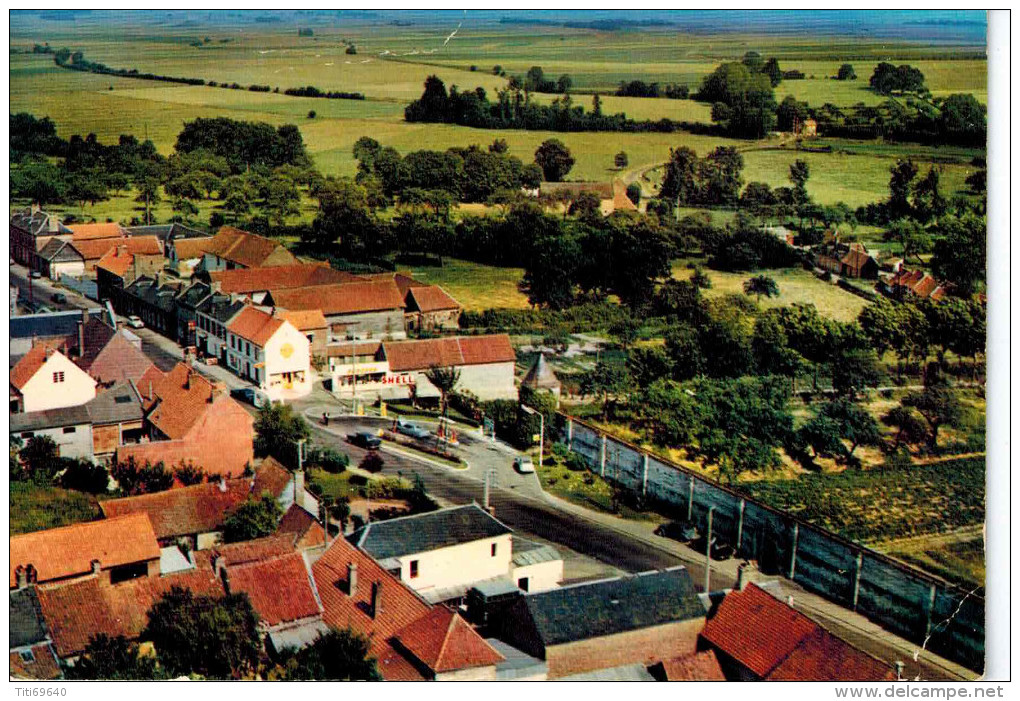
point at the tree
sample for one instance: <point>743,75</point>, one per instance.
<point>761,285</point>
<point>888,79</point>
<point>846,72</point>
<point>754,61</point>
<point>586,206</point>
<point>282,200</point>
<point>914,239</point>
<point>550,271</point>
<point>84,476</point>
<point>939,405</point>
<point>910,428</point>
<point>253,519</point>
<point>444,379</point>
<point>338,655</point>
<point>959,255</point>
<point>790,113</point>
<point>620,160</point>
<point>671,412</point>
<point>217,638</point>
<point>147,185</point>
<point>183,208</point>
<point>680,180</point>
<point>634,193</point>
<point>277,432</point>
<point>855,424</point>
<point>605,380</point>
<point>822,435</point>
<point>853,370</point>
<point>962,118</point>
<point>900,186</point>
<point>107,658</point>
<point>40,458</point>
<point>554,159</point>
<point>499,146</point>
<point>372,462</point>
<point>343,215</point>
<point>799,174</point>
<point>929,203</point>
<point>39,181</point>
<point>772,70</point>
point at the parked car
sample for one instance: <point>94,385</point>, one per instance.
<point>134,322</point>
<point>680,531</point>
<point>251,396</point>
<point>524,465</point>
<point>365,439</point>
<point>60,298</point>
<point>412,429</point>
<point>35,275</point>
<point>718,550</point>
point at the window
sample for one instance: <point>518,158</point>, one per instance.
<point>58,376</point>
<point>27,656</point>
<point>494,550</point>
<point>414,569</point>
<point>247,348</point>
<point>522,584</point>
<point>70,429</point>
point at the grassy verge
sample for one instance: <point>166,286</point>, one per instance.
<point>451,461</point>
<point>961,562</point>
<point>585,489</point>
<point>36,508</point>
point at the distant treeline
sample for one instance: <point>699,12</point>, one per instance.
<point>639,88</point>
<point>76,61</point>
<point>515,111</point>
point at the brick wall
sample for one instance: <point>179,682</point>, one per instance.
<point>647,645</point>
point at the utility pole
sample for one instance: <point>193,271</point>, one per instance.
<point>541,431</point>
<point>489,475</point>
<point>708,551</point>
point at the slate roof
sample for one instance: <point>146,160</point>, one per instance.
<point>118,404</point>
<point>422,354</point>
<point>50,418</point>
<point>528,552</point>
<point>242,247</point>
<point>49,324</point>
<point>823,657</point>
<point>77,610</point>
<point>119,360</point>
<point>149,291</point>
<point>58,251</point>
<point>63,552</point>
<point>540,376</point>
<point>167,232</point>
<point>443,642</point>
<point>220,308</point>
<point>430,299</point>
<point>425,532</point>
<point>25,622</point>
<point>696,667</point>
<point>194,296</point>
<point>255,325</point>
<point>279,588</point>
<point>346,298</point>
<point>756,629</point>
<point>244,280</point>
<point>38,223</point>
<point>584,611</point>
<point>96,334</point>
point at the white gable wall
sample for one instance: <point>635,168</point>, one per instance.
<point>44,391</point>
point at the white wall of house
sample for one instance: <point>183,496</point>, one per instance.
<point>282,366</point>
<point>490,381</point>
<point>458,565</point>
<point>58,383</point>
<point>541,576</point>
<point>71,267</point>
<point>72,441</point>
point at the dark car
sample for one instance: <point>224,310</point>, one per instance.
<point>680,531</point>
<point>718,550</point>
<point>250,396</point>
<point>366,440</point>
<point>60,298</point>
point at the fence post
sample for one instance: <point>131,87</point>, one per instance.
<point>858,565</point>
<point>602,457</point>
<point>570,433</point>
<point>690,497</point>
<point>740,527</point>
<point>931,609</point>
<point>793,550</point>
<point>644,473</point>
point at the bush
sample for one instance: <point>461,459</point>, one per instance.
<point>576,463</point>
<point>332,461</point>
<point>372,462</point>
<point>85,477</point>
<point>560,450</point>
<point>357,480</point>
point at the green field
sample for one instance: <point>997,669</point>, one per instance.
<point>477,287</point>
<point>36,508</point>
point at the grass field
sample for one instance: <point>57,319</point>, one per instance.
<point>36,508</point>
<point>795,286</point>
<point>476,286</point>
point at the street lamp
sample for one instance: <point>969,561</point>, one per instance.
<point>541,431</point>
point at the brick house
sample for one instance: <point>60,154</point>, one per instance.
<point>233,248</point>
<point>580,628</point>
<point>354,310</point>
<point>430,308</point>
<point>127,261</point>
<point>30,232</point>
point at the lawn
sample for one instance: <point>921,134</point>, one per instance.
<point>960,561</point>
<point>795,286</point>
<point>476,286</point>
<point>584,488</point>
<point>36,508</point>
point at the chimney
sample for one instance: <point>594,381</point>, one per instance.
<point>22,576</point>
<point>299,488</point>
<point>218,565</point>
<point>53,224</point>
<point>223,484</point>
<point>352,579</point>
<point>187,379</point>
<point>377,604</point>
<point>81,339</point>
<point>96,567</point>
<point>121,250</point>
<point>789,601</point>
<point>745,573</point>
<point>899,670</point>
<point>31,574</point>
<point>150,389</point>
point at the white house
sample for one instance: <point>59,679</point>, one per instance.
<point>69,427</point>
<point>46,379</point>
<point>442,554</point>
<point>270,352</point>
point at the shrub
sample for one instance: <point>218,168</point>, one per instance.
<point>357,480</point>
<point>332,461</point>
<point>372,462</point>
<point>560,450</point>
<point>576,463</point>
<point>85,477</point>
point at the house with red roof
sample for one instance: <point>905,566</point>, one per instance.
<point>233,248</point>
<point>431,308</point>
<point>357,310</point>
<point>255,283</point>
<point>695,667</point>
<point>758,637</point>
<point>126,260</point>
<point>45,378</point>
<point>188,418</point>
<point>915,284</point>
<point>267,350</point>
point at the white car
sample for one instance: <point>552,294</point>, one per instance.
<point>524,465</point>
<point>135,323</point>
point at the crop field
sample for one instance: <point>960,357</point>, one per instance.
<point>476,286</point>
<point>796,286</point>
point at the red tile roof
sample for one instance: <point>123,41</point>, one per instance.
<point>200,508</point>
<point>247,551</point>
<point>304,530</point>
<point>404,281</point>
<point>468,350</point>
<point>254,325</point>
<point>620,200</point>
<point>756,629</point>
<point>133,246</point>
<point>78,610</point>
<point>279,589</point>
<point>99,230</point>
<point>116,263</point>
<point>822,657</point>
<point>68,551</point>
<point>186,249</point>
<point>183,399</point>
<point>400,608</point>
<point>346,298</point>
<point>272,477</point>
<point>244,248</point>
<point>857,259</point>
<point>45,665</point>
<point>696,667</point>
<point>444,642</point>
<point>278,277</point>
<point>30,363</point>
<point>304,320</point>
<point>431,299</point>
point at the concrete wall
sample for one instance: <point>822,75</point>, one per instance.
<point>381,325</point>
<point>905,600</point>
<point>75,444</point>
<point>472,674</point>
<point>646,645</point>
<point>457,565</point>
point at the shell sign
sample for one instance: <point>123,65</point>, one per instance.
<point>286,350</point>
